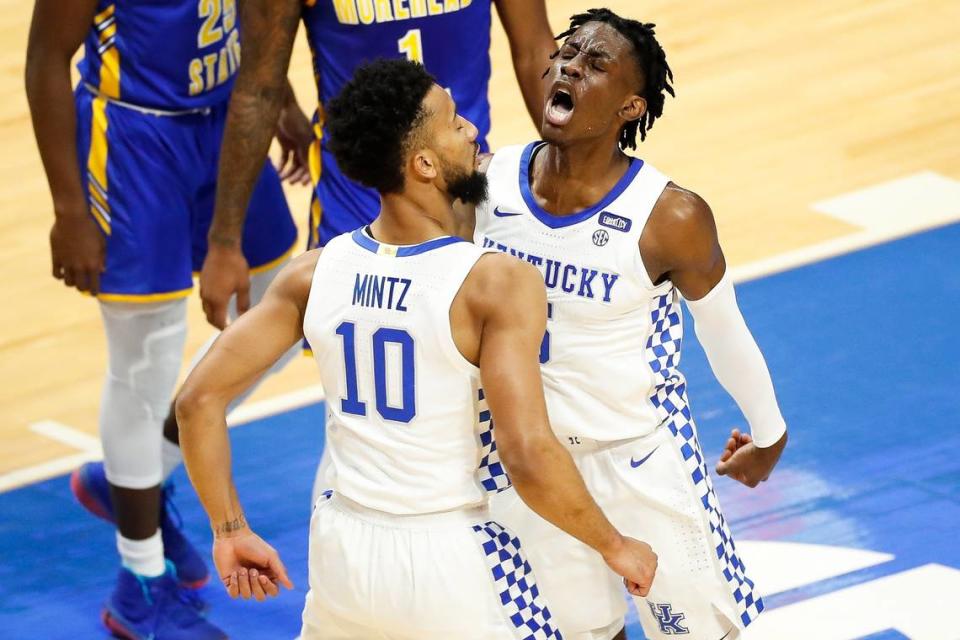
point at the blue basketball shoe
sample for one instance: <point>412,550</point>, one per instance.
<point>143,608</point>
<point>89,485</point>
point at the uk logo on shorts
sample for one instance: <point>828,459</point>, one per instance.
<point>668,620</point>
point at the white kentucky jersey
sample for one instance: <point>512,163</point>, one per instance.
<point>407,427</point>
<point>610,355</point>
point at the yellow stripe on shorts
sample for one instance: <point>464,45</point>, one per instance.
<point>97,165</point>
<point>105,14</point>
<point>98,186</point>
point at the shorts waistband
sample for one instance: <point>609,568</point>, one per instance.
<point>150,111</point>
<point>579,444</point>
<point>467,516</point>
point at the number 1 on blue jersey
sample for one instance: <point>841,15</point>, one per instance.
<point>411,45</point>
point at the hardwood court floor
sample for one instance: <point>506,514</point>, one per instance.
<point>779,105</point>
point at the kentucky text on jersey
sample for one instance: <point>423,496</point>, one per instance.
<point>370,11</point>
<point>569,278</point>
<point>369,291</point>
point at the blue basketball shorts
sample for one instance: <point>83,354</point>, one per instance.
<point>151,183</point>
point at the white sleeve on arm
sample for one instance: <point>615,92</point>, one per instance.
<point>737,362</point>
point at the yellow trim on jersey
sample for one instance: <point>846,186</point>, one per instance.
<point>109,58</point>
<point>314,159</point>
<point>315,163</point>
<point>273,263</point>
<point>98,186</point>
<point>103,15</point>
<point>268,265</point>
<point>143,298</point>
<point>97,162</point>
<point>110,73</point>
<point>316,213</point>
<point>108,33</point>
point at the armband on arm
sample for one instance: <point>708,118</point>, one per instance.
<point>737,362</point>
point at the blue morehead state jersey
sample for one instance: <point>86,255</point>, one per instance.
<point>163,54</point>
<point>450,37</point>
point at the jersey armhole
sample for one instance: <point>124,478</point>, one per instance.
<point>450,349</point>
<point>312,298</point>
<point>637,264</point>
<point>641,268</point>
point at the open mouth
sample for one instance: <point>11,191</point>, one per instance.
<point>560,107</point>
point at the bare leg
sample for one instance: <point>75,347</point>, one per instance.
<point>137,511</point>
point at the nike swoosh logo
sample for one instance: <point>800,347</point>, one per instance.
<point>637,463</point>
<point>504,214</point>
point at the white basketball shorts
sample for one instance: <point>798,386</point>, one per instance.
<point>456,574</point>
<point>655,489</point>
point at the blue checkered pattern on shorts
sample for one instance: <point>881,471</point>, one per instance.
<point>515,583</point>
<point>492,475</point>
<point>670,399</point>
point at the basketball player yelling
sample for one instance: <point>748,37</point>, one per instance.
<point>618,243</point>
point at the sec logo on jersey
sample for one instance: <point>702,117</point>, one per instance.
<point>600,237</point>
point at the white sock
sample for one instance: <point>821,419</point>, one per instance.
<point>143,557</point>
<point>172,457</point>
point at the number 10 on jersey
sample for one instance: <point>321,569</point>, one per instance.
<point>381,376</point>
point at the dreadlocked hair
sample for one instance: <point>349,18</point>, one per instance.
<point>652,60</point>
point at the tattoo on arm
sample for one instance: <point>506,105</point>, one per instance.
<point>231,526</point>
<point>261,89</point>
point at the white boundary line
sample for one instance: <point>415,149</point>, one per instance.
<point>90,449</point>
<point>310,395</point>
<point>68,435</point>
<point>43,471</point>
<point>272,406</point>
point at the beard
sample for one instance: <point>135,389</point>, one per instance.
<point>468,186</point>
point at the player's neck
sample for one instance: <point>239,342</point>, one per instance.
<point>570,178</point>
<point>405,219</point>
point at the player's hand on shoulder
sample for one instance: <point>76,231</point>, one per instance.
<point>249,567</point>
<point>225,272</point>
<point>636,562</point>
<point>745,462</point>
<point>77,250</point>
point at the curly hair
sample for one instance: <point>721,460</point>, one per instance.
<point>373,120</point>
<point>651,59</point>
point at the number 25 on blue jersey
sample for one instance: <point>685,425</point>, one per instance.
<point>381,338</point>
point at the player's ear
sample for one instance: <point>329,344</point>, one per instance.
<point>633,108</point>
<point>426,165</point>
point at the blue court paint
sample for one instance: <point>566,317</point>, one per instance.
<point>59,562</point>
<point>864,352</point>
